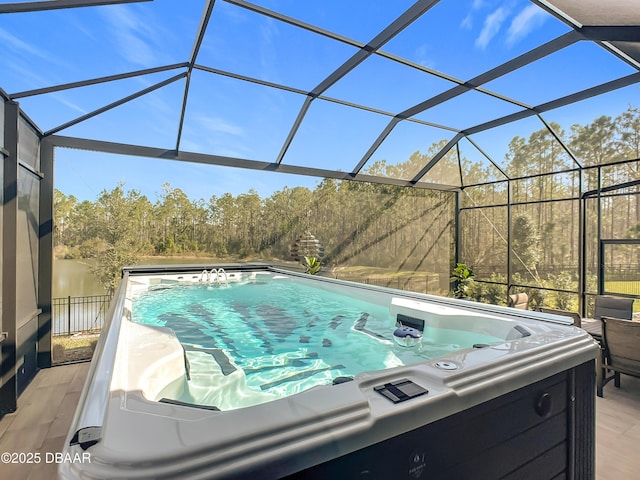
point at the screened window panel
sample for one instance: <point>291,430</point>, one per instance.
<point>376,74</point>
<point>546,187</point>
<point>76,168</point>
<point>591,244</point>
<point>478,108</point>
<point>487,291</point>
<point>521,148</point>
<point>576,67</point>
<point>620,218</point>
<point>1,121</point>
<point>27,246</point>
<point>465,30</point>
<point>158,128</point>
<point>236,118</point>
<point>560,245</point>
<point>377,234</point>
<point>331,14</point>
<point>485,195</point>
<point>622,269</point>
<point>446,171</point>
<point>57,109</point>
<point>544,242</point>
<point>247,43</point>
<point>590,180</point>
<point>483,242</point>
<point>564,300</point>
<point>333,136</point>
<point>406,150</point>
<point>526,245</point>
<point>594,127</point>
<point>72,44</point>
<point>28,145</point>
<point>613,175</point>
<point>1,193</point>
<point>476,167</point>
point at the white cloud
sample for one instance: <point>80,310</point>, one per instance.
<point>67,103</point>
<point>20,46</point>
<point>423,56</point>
<point>26,61</point>
<point>524,23</point>
<point>132,35</point>
<point>268,51</point>
<point>491,27</point>
<point>219,125</point>
<point>467,22</point>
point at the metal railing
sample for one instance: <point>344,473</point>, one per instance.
<point>79,314</point>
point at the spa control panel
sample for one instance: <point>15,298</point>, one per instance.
<point>400,390</point>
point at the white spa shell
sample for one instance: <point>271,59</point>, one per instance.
<point>138,437</point>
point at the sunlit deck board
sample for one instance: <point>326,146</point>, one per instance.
<point>618,431</point>
<point>46,408</point>
<point>41,423</point>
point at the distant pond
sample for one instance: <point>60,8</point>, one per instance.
<point>74,277</point>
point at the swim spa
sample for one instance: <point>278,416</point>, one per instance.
<point>249,371</point>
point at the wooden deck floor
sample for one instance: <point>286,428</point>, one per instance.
<point>42,421</point>
<point>46,409</point>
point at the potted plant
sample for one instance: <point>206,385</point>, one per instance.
<point>312,265</point>
<point>462,279</point>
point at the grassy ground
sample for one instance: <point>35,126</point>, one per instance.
<point>70,348</point>
<point>628,287</point>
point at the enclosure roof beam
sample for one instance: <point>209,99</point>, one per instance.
<point>95,81</point>
<point>160,153</point>
<point>486,155</point>
<point>22,7</point>
<point>202,28</point>
<point>564,146</point>
<point>404,20</point>
<point>474,84</point>
<point>611,188</point>
<point>560,102</point>
<point>616,33</point>
<point>525,59</point>
<point>115,104</point>
<point>437,157</point>
<point>265,83</point>
<point>295,22</point>
<point>378,141</point>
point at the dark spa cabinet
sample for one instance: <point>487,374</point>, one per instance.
<point>542,431</point>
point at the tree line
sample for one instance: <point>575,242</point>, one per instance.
<point>380,226</point>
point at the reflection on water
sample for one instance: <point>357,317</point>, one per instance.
<point>74,277</point>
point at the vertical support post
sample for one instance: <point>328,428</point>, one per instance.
<point>509,237</point>
<point>458,228</point>
<point>601,266</point>
<point>45,260</point>
<point>8,363</point>
<point>600,259</point>
<point>69,315</point>
<point>582,260</point>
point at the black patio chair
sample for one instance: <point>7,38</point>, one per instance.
<point>616,307</point>
<point>621,339</point>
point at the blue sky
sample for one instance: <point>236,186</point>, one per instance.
<point>225,116</point>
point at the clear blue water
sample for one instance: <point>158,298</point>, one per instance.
<point>282,335</point>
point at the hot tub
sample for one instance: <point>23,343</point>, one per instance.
<point>249,371</point>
